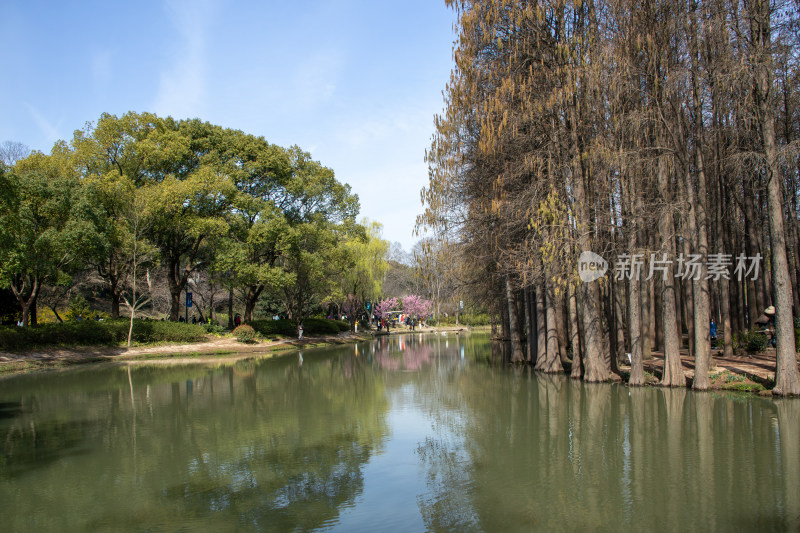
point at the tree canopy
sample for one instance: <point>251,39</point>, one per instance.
<point>250,215</point>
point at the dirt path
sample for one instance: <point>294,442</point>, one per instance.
<point>758,368</point>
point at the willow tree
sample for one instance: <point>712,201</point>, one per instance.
<point>363,266</point>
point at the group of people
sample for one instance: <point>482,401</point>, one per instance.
<point>384,323</point>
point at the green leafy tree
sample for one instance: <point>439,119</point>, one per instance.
<point>192,194</point>
<point>46,226</point>
<point>283,194</point>
<point>311,264</point>
<point>365,265</point>
<point>258,227</point>
<point>112,157</point>
<point>184,215</point>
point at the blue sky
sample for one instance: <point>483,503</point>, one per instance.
<point>354,82</point>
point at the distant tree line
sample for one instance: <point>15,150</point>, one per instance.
<point>151,208</point>
<point>653,134</point>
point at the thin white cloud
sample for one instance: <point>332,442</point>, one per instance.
<point>182,87</point>
<point>50,132</point>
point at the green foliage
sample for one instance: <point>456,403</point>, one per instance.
<point>45,223</point>
<point>342,325</point>
<point>730,377</point>
<point>244,333</point>
<point>91,333</point>
<point>746,387</point>
<point>78,308</point>
<point>477,319</point>
<point>311,326</point>
<point>752,341</point>
<point>215,329</point>
<point>364,266</point>
<point>266,328</point>
<point>136,190</point>
<point>164,331</point>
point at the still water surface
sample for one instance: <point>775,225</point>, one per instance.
<point>408,433</point>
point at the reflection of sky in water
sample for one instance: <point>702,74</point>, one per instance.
<point>393,477</point>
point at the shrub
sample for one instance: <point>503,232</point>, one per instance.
<point>266,328</point>
<point>213,328</point>
<point>244,333</point>
<point>323,326</point>
<point>311,326</point>
<point>92,332</point>
<point>158,331</point>
<point>78,307</point>
<point>752,341</point>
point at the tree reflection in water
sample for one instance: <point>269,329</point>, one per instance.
<point>515,450</point>
<point>267,444</point>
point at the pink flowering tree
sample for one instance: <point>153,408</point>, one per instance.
<point>416,306</point>
<point>384,307</point>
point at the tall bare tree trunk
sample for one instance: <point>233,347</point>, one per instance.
<point>513,325</point>
<point>673,371</point>
<point>724,284</point>
<point>561,330</point>
<point>541,323</point>
<point>552,361</point>
<point>529,339</point>
<point>645,291</point>
<point>702,311</point>
<point>634,293</point>
<point>787,377</point>
<point>574,331</point>
<point>596,367</point>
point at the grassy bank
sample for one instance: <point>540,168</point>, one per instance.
<point>115,332</point>
<point>55,346</point>
<point>97,333</point>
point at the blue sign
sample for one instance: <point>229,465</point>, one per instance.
<point>188,299</point>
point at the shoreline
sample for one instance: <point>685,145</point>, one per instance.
<point>752,375</point>
<point>214,349</point>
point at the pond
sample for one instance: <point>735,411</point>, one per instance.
<point>405,433</point>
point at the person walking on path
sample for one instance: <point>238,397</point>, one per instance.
<point>300,330</point>
<point>712,333</point>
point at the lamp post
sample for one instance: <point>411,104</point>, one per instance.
<point>229,278</point>
<point>188,304</point>
<point>189,281</point>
